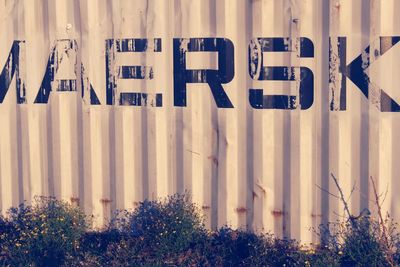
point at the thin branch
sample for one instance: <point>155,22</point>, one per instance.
<point>352,190</point>
<point>382,222</point>
<point>339,215</point>
<point>346,206</point>
<point>377,202</point>
<point>386,192</point>
<point>326,191</point>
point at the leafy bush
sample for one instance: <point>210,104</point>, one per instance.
<point>171,232</point>
<point>322,256</point>
<point>6,231</point>
<point>95,247</point>
<point>43,233</point>
<point>170,226</point>
<point>234,247</point>
<point>362,245</point>
<point>357,242</point>
<point>159,229</point>
<point>97,242</point>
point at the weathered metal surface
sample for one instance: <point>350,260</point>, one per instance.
<point>248,104</point>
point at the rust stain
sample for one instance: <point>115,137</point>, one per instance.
<point>241,210</point>
<point>74,200</point>
<point>277,213</point>
<point>205,207</point>
<point>316,215</point>
<point>105,201</point>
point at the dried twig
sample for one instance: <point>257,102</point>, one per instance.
<point>352,191</point>
<point>385,239</point>
<point>346,206</point>
<point>326,191</point>
<point>378,205</point>
<point>339,215</point>
<point>384,234</point>
<point>386,192</point>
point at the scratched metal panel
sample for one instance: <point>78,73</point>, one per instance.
<point>95,108</point>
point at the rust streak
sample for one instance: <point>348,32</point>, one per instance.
<point>277,213</point>
<point>241,210</point>
<point>105,201</point>
<point>74,200</point>
<point>316,215</point>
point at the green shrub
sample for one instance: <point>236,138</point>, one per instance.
<point>357,242</point>
<point>230,247</point>
<point>158,230</point>
<point>127,252</point>
<point>171,232</point>
<point>321,256</point>
<point>98,242</point>
<point>83,259</point>
<point>43,233</point>
<point>6,231</point>
<point>243,248</point>
<point>94,246</point>
<point>169,226</point>
<point>361,246</point>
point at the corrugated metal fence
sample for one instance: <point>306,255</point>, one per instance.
<point>112,133</point>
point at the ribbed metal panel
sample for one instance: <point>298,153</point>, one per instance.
<point>264,169</point>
